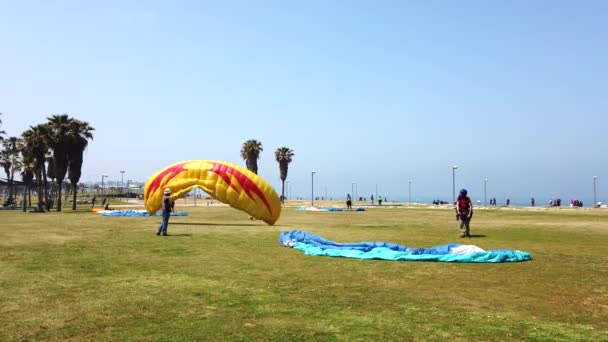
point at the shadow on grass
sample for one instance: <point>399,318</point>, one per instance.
<point>179,235</point>
<point>477,236</point>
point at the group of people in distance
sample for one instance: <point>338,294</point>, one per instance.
<point>349,200</point>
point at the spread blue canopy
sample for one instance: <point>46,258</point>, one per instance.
<point>316,245</point>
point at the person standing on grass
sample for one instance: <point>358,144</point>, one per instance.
<point>349,202</point>
<point>464,209</point>
<point>162,229</point>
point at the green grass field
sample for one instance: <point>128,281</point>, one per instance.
<point>220,276</point>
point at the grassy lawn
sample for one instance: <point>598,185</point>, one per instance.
<point>220,276</point>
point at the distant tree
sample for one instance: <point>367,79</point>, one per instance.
<point>250,152</point>
<point>79,134</point>
<point>9,159</point>
<point>59,127</point>
<point>35,141</point>
<point>284,156</point>
<point>2,133</point>
<point>27,174</point>
<point>50,174</point>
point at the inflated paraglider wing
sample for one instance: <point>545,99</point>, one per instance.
<point>226,182</point>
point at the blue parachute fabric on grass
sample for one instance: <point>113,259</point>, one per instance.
<point>315,245</point>
<point>331,209</point>
<point>133,213</point>
<point>326,209</point>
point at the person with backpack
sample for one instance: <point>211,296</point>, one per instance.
<point>464,210</point>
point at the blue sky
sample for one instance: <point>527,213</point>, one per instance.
<point>372,92</point>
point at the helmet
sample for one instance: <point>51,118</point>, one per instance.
<point>463,192</point>
<point>167,191</point>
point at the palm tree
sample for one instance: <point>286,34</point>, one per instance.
<point>59,128</point>
<point>250,152</point>
<point>284,156</point>
<point>1,132</point>
<point>5,163</point>
<point>27,174</point>
<point>80,133</point>
<point>50,173</point>
<point>10,163</point>
<point>35,140</point>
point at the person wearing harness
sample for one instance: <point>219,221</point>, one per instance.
<point>464,210</point>
<point>162,229</point>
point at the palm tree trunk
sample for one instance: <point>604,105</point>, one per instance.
<point>11,187</point>
<point>60,184</point>
<point>75,192</point>
<point>46,186</point>
<point>25,198</point>
<point>39,190</point>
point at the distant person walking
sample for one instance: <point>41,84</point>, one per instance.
<point>372,197</point>
<point>162,229</point>
<point>464,209</point>
<point>379,200</point>
<point>532,202</point>
<point>349,202</point>
<point>508,202</point>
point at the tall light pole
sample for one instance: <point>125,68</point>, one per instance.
<point>102,177</point>
<point>454,183</point>
<point>122,181</point>
<point>312,188</point>
<point>352,189</point>
<point>409,193</point>
<point>128,190</point>
<point>594,198</point>
<point>376,192</point>
<point>485,196</point>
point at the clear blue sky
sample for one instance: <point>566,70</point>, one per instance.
<point>373,92</point>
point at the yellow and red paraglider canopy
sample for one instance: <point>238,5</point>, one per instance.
<point>226,182</point>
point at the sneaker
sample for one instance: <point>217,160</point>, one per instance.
<point>157,234</point>
<point>165,234</point>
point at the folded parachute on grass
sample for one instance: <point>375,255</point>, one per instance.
<point>315,245</point>
<point>135,213</point>
<point>226,182</point>
<point>328,209</point>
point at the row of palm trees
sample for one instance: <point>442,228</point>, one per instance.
<point>250,152</point>
<point>50,150</point>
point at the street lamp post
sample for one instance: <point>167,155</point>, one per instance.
<point>485,196</point>
<point>409,193</point>
<point>454,183</point>
<point>594,197</point>
<point>376,193</point>
<point>122,182</point>
<point>312,189</point>
<point>352,189</point>
<point>128,190</point>
<point>102,177</point>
